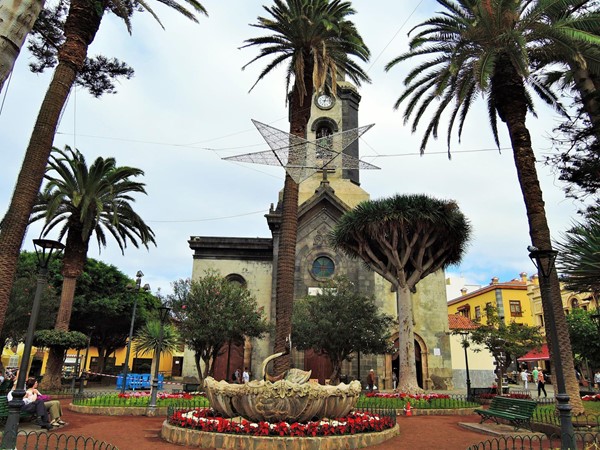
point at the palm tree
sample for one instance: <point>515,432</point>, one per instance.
<point>148,339</point>
<point>404,238</point>
<point>483,47</point>
<point>82,23</point>
<point>579,255</point>
<point>16,21</point>
<point>85,201</point>
<point>582,60</point>
<point>316,40</point>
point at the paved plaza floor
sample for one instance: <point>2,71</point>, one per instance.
<point>142,433</point>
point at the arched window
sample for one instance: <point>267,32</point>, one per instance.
<point>236,278</point>
<point>324,141</point>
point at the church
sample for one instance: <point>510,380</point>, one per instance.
<point>323,198</point>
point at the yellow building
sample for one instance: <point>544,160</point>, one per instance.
<point>510,298</point>
<point>170,364</point>
<point>570,300</point>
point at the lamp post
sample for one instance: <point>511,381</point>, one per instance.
<point>163,312</point>
<point>44,248</point>
<point>544,262</point>
<point>465,345</point>
<point>138,284</point>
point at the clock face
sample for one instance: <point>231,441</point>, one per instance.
<point>324,101</point>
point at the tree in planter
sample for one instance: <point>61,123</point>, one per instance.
<point>316,40</point>
<point>61,341</point>
<point>506,343</point>
<point>84,201</point>
<point>404,238</point>
<point>212,312</point>
<point>148,337</point>
<point>340,321</point>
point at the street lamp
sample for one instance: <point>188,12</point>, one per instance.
<point>465,345</point>
<point>163,312</point>
<point>544,262</point>
<point>138,284</point>
<point>44,248</point>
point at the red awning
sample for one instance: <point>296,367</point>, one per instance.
<point>536,355</point>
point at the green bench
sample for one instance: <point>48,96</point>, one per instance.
<point>4,411</point>
<point>515,411</point>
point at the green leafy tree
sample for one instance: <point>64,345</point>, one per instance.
<point>211,312</point>
<point>316,41</point>
<point>82,201</point>
<point>579,255</point>
<point>487,48</point>
<point>583,331</point>
<point>505,342</point>
<point>404,238</point>
<point>103,307</point>
<point>82,24</point>
<point>21,299</point>
<point>340,321</point>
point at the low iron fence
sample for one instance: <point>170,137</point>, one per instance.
<point>52,441</point>
<point>583,441</point>
<point>110,399</point>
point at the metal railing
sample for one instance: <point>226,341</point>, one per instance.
<point>584,441</point>
<point>53,441</point>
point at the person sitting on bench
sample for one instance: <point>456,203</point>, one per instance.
<point>32,405</point>
<point>52,406</point>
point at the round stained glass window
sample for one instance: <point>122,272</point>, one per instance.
<point>323,267</point>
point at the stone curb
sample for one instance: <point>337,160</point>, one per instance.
<point>222,441</point>
<point>119,410</point>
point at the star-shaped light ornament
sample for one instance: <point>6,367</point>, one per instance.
<point>302,158</point>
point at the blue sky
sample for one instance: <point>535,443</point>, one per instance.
<point>188,106</point>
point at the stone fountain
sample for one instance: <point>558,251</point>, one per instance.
<point>292,398</point>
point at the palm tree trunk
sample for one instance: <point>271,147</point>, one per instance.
<point>81,26</point>
<point>508,89</point>
<point>73,264</point>
<point>407,381</point>
<point>286,260</point>
<point>16,21</point>
<point>286,268</point>
<point>66,304</point>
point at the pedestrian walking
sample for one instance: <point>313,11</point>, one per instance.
<point>541,383</point>
<point>597,379</point>
<point>525,378</point>
<point>245,376</point>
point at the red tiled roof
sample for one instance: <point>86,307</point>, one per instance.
<point>460,322</point>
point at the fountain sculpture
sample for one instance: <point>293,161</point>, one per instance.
<point>292,398</point>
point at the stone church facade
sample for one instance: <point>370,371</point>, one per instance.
<point>323,198</point>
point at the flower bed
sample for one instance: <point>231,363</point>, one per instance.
<point>403,395</point>
<point>159,395</point>
<point>492,395</point>
<point>591,398</point>
<point>205,419</point>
